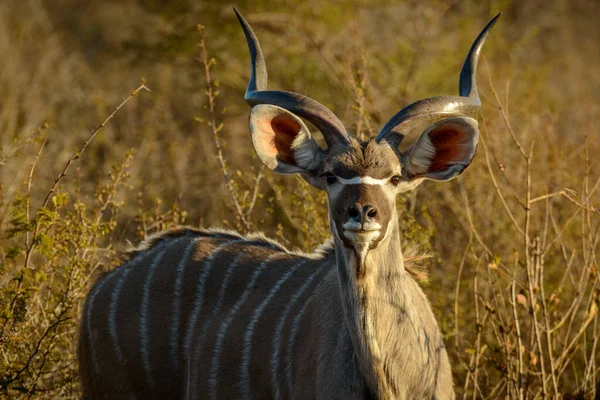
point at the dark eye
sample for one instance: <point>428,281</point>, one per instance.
<point>395,180</point>
<point>330,178</point>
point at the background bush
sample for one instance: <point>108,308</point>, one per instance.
<point>514,277</point>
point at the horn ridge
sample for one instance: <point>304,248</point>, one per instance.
<point>329,125</point>
<point>467,103</point>
<point>467,84</point>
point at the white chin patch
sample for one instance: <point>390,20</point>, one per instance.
<point>361,238</point>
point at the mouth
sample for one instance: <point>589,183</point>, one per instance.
<point>362,235</point>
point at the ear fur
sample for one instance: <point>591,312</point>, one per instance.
<point>443,151</point>
<point>282,141</point>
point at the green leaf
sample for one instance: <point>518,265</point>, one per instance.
<point>44,244</point>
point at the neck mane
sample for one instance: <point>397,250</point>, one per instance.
<point>389,319</point>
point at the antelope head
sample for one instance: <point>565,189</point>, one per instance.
<point>362,179</point>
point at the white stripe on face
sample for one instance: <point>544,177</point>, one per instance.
<point>363,180</point>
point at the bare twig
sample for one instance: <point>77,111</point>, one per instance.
<point>255,191</point>
<point>498,191</point>
<point>503,111</point>
<point>457,290</point>
<point>8,380</point>
<point>530,269</point>
<point>519,342</point>
<point>29,183</point>
<point>211,95</point>
<point>30,244</point>
<point>79,153</point>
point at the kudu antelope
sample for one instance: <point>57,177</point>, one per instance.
<point>208,314</point>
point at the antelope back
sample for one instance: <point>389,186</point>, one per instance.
<point>200,314</point>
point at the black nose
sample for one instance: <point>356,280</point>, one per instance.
<point>362,214</point>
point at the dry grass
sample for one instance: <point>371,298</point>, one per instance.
<point>514,278</point>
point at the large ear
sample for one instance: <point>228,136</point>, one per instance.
<point>282,141</point>
<point>443,151</point>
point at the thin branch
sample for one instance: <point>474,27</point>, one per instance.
<point>59,178</point>
<point>518,330</point>
<point>457,289</point>
<point>503,110</point>
<point>29,183</point>
<point>78,154</point>
<point>4,384</point>
<point>211,95</point>
<point>257,180</point>
<point>495,183</point>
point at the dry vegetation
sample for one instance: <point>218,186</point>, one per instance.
<point>514,277</point>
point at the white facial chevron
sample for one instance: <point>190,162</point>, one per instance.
<point>365,180</point>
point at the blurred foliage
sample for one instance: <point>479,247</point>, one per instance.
<point>514,277</point>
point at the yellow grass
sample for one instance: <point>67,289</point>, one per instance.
<point>514,277</point>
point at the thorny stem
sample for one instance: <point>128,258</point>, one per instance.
<point>498,191</point>
<point>547,324</point>
<point>479,329</point>
<point>518,330</point>
<point>457,289</point>
<point>57,180</point>
<point>78,154</point>
<point>472,227</point>
<point>257,180</point>
<point>211,95</point>
<point>529,261</point>
<point>503,111</point>
<point>29,183</point>
<point>360,98</point>
<point>7,381</point>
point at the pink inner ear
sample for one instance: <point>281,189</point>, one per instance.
<point>277,137</point>
<point>451,145</point>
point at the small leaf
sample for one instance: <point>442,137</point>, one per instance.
<point>40,276</point>
<point>533,359</point>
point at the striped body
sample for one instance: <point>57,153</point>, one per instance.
<point>193,315</point>
<point>214,315</point>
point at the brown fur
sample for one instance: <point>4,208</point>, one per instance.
<point>119,382</point>
<point>365,159</point>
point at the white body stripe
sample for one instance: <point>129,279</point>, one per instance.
<point>218,348</point>
<point>113,306</point>
<point>145,303</point>
<point>245,372</point>
<point>363,180</point>
<point>177,303</point>
<point>200,293</point>
<point>220,299</point>
<point>112,311</point>
<point>291,341</point>
<point>279,330</point>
